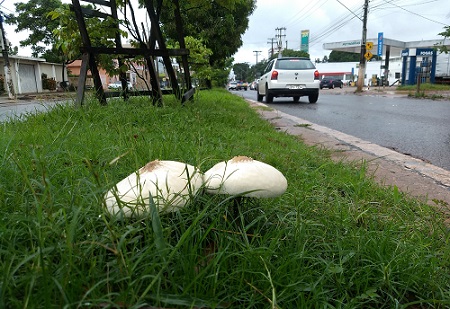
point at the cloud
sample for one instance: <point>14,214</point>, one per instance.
<point>333,20</point>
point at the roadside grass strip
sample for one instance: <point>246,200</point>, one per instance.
<point>334,239</point>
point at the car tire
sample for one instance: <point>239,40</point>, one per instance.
<point>332,86</point>
<point>312,98</point>
<point>342,85</point>
<point>259,97</point>
<point>296,98</point>
<point>269,96</point>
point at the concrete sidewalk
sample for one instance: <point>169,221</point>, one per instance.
<point>37,98</point>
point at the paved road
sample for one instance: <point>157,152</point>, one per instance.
<point>19,108</point>
<point>416,127</point>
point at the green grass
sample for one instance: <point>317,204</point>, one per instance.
<point>335,239</point>
<point>425,87</point>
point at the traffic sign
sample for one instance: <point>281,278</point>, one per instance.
<point>369,45</point>
<point>368,55</point>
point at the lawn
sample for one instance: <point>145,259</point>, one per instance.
<point>334,239</point>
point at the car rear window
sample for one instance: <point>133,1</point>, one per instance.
<point>294,64</point>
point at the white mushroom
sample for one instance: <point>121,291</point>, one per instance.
<point>169,183</point>
<point>247,177</point>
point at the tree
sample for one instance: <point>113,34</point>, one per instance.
<point>33,16</point>
<point>291,53</point>
<point>341,56</point>
<point>198,58</point>
<point>445,34</point>
<point>67,37</point>
<point>258,68</point>
<point>242,71</point>
<point>216,25</point>
<point>219,24</point>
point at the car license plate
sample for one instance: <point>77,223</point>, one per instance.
<point>296,86</point>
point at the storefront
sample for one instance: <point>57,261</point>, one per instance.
<point>419,65</point>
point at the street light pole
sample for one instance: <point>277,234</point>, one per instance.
<point>362,59</point>
<point>6,64</point>
<point>257,52</point>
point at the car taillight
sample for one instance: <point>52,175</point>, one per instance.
<point>316,74</point>
<point>274,75</point>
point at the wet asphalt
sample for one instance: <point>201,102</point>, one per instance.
<point>419,128</point>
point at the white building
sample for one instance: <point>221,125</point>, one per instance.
<point>26,73</point>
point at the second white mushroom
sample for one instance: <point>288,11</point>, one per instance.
<point>247,177</point>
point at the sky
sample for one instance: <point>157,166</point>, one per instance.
<point>327,21</point>
<point>339,20</point>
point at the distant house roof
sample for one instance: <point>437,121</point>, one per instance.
<point>24,58</point>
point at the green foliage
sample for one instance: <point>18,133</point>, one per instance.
<point>102,33</point>
<point>198,59</point>
<point>259,68</point>
<point>242,71</point>
<point>425,86</point>
<point>341,56</point>
<point>214,26</point>
<point>445,34</point>
<point>32,17</point>
<point>291,53</point>
<point>334,240</point>
<point>48,83</point>
<point>220,74</point>
<point>219,24</point>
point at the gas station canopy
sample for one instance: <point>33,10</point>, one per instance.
<point>395,46</point>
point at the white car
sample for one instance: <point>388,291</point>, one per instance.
<point>118,85</point>
<point>232,86</point>
<point>289,77</point>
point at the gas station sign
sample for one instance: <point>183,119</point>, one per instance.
<point>380,44</point>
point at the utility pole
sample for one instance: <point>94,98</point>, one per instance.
<point>272,42</point>
<point>257,52</point>
<point>362,59</point>
<point>280,36</point>
<point>6,65</point>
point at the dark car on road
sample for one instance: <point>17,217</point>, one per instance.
<point>331,83</point>
<point>241,85</point>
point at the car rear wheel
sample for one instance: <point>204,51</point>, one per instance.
<point>332,86</point>
<point>269,96</point>
<point>312,98</point>
<point>259,97</point>
<point>342,85</point>
<point>296,99</point>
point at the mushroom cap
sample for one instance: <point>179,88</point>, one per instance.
<point>243,175</point>
<point>169,183</point>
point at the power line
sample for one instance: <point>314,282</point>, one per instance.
<point>309,11</point>
<point>5,8</point>
<point>349,10</point>
<point>414,13</point>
